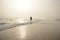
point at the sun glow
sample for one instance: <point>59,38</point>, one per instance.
<point>22,5</point>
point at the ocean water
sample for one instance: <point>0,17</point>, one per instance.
<point>42,30</point>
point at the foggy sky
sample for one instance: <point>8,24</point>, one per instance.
<point>41,9</point>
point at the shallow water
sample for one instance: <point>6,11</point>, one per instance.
<point>43,30</point>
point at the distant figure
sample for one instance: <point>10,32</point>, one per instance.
<point>30,18</point>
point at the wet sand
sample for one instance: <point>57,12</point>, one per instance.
<point>43,30</point>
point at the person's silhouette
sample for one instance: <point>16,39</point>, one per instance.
<point>30,18</point>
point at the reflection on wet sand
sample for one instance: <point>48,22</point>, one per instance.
<point>22,32</point>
